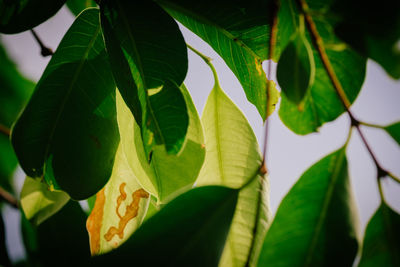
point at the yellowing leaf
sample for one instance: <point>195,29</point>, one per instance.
<point>119,208</point>
<point>38,203</point>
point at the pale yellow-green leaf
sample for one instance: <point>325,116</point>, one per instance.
<point>38,203</point>
<point>166,175</point>
<point>119,209</point>
<point>232,159</point>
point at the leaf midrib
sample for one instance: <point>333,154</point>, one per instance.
<point>68,93</point>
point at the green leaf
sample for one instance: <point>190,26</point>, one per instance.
<point>68,132</point>
<point>296,69</point>
<point>4,260</point>
<point>119,209</point>
<point>190,230</point>
<point>14,93</point>
<point>316,223</point>
<point>321,103</point>
<point>38,203</point>
<point>59,241</point>
<point>19,16</point>
<point>232,159</point>
<point>166,175</point>
<point>381,246</point>
<point>394,131</point>
<point>149,63</point>
<point>372,30</point>
<point>238,32</point>
<point>77,6</point>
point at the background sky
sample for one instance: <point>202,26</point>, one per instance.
<point>289,155</point>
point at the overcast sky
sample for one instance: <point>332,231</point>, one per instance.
<point>289,155</point>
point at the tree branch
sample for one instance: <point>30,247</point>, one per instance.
<point>10,199</point>
<point>4,130</point>
<point>44,50</point>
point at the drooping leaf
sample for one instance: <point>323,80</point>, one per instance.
<point>315,224</point>
<point>166,175</point>
<point>149,62</point>
<point>296,69</point>
<point>321,103</point>
<point>38,203</point>
<point>59,241</point>
<point>68,132</point>
<point>394,131</point>
<point>238,32</point>
<point>14,92</point>
<point>4,259</point>
<point>381,246</point>
<point>119,209</point>
<point>372,30</point>
<point>232,159</point>
<point>19,16</point>
<point>77,6</point>
<point>189,231</point>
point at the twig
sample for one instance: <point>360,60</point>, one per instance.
<point>395,178</point>
<point>371,125</point>
<point>319,44</point>
<point>4,130</point>
<point>10,199</point>
<point>45,51</point>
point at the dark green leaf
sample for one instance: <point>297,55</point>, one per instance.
<point>149,61</point>
<point>189,231</point>
<point>296,68</point>
<point>321,103</point>
<point>394,131</point>
<point>381,245</point>
<point>61,240</point>
<point>77,6</point>
<point>19,16</point>
<point>238,32</point>
<point>4,260</point>
<point>14,92</point>
<point>68,132</point>
<point>315,224</point>
<point>371,29</point>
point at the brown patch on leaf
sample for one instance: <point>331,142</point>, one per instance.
<point>94,222</point>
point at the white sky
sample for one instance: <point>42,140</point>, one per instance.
<point>289,155</point>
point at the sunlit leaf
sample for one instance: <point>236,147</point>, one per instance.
<point>394,131</point>
<point>316,223</point>
<point>77,6</point>
<point>19,16</point>
<point>190,230</point>
<point>381,245</point>
<point>119,208</point>
<point>38,203</point>
<point>149,62</point>
<point>321,103</point>
<point>296,67</point>
<point>166,175</point>
<point>68,132</point>
<point>238,32</point>
<point>61,240</point>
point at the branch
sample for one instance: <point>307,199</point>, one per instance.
<point>10,199</point>
<point>45,51</point>
<point>4,130</point>
<point>319,45</point>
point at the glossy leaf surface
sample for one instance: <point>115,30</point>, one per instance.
<point>77,6</point>
<point>119,209</point>
<point>316,221</point>
<point>68,132</point>
<point>189,231</point>
<point>19,16</point>
<point>321,103</point>
<point>381,246</point>
<point>59,241</point>
<point>394,131</point>
<point>238,32</point>
<point>149,63</point>
<point>166,175</point>
<point>38,203</point>
<point>296,69</point>
<point>14,93</point>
